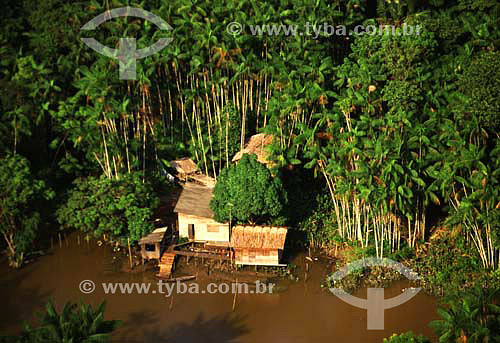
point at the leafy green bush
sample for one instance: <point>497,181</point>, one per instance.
<point>408,337</point>
<point>120,208</point>
<point>320,224</point>
<point>481,84</point>
<point>447,267</point>
<point>19,218</point>
<point>247,192</point>
<point>472,316</point>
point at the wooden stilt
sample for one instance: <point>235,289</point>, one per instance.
<point>129,253</point>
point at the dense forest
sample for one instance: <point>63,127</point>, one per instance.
<point>386,143</point>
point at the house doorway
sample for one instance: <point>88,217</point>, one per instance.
<point>191,231</point>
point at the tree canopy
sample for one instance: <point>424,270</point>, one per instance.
<point>19,195</point>
<point>120,208</point>
<point>247,193</point>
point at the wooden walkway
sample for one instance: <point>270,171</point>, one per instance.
<point>167,260</point>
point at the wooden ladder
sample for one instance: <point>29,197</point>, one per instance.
<point>166,263</point>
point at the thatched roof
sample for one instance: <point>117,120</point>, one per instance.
<point>184,165</point>
<point>195,200</point>
<point>256,145</point>
<point>154,237</point>
<point>260,237</point>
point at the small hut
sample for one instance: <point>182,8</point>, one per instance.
<point>196,218</point>
<point>203,179</point>
<point>188,171</point>
<point>184,167</point>
<point>151,244</point>
<point>258,245</point>
<point>256,144</point>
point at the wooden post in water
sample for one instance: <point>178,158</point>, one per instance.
<point>60,240</point>
<point>171,306</point>
<point>235,293</point>
<point>129,253</point>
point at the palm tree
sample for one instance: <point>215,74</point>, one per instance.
<point>75,324</point>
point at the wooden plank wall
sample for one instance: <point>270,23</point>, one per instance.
<point>205,229</point>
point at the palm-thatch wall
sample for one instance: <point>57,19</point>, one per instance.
<point>258,245</point>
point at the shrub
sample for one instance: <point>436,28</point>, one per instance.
<point>408,337</point>
<point>120,208</point>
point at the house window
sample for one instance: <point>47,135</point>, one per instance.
<point>150,247</point>
<point>212,228</point>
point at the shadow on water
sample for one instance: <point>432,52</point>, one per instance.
<point>23,300</point>
<point>226,328</point>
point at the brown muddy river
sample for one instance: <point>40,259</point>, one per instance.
<point>301,313</point>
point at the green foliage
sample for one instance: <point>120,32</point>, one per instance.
<point>320,224</point>
<point>120,208</point>
<point>471,316</point>
<point>247,192</point>
<point>407,337</point>
<point>19,217</point>
<point>481,84</point>
<point>448,266</point>
<point>75,324</point>
<point>395,125</point>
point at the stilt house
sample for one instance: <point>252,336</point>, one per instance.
<point>258,245</point>
<point>196,218</point>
